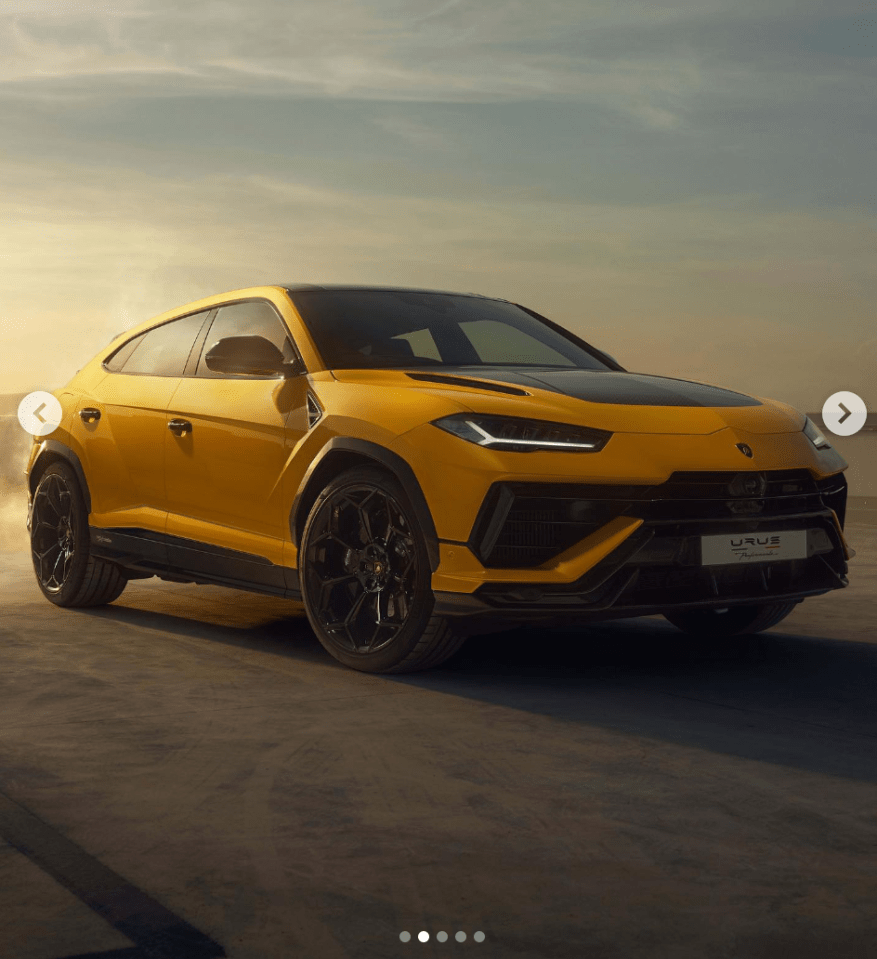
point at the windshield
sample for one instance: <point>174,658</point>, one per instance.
<point>374,329</point>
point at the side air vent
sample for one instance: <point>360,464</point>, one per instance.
<point>315,411</point>
<point>465,381</point>
<point>526,524</point>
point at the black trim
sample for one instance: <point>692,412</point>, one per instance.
<point>195,353</point>
<point>524,524</point>
<point>65,453</point>
<point>168,539</point>
<point>472,608</point>
<point>180,559</point>
<point>469,383</point>
<point>651,572</point>
<point>292,288</point>
<point>394,463</point>
<point>313,409</point>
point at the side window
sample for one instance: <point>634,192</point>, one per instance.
<point>501,343</point>
<point>117,360</point>
<point>256,318</point>
<point>163,351</point>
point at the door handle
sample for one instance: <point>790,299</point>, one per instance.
<point>180,427</point>
<point>89,415</point>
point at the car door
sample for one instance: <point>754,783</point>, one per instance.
<point>121,425</point>
<point>223,476</point>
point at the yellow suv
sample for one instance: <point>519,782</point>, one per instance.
<point>416,465</point>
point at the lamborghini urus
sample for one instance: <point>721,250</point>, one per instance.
<point>414,466</point>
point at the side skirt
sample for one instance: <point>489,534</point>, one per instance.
<point>174,558</point>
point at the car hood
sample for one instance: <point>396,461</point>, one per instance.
<point>616,401</point>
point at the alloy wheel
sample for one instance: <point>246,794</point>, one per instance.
<point>53,540</point>
<point>361,568</point>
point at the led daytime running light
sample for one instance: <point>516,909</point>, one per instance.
<point>519,434</point>
<point>496,440</point>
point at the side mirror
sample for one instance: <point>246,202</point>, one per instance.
<point>293,367</point>
<point>246,356</point>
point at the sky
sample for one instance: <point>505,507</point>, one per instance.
<point>687,184</point>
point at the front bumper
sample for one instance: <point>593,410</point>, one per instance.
<point>586,551</point>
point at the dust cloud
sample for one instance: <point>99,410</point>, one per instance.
<point>14,448</point>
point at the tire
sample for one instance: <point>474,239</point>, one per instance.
<point>66,572</point>
<point>730,621</point>
<point>361,540</point>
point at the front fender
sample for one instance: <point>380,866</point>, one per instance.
<point>351,449</point>
<point>49,451</point>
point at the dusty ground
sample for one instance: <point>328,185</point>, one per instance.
<point>190,755</point>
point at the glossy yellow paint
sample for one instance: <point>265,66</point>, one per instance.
<point>460,571</point>
<point>233,482</point>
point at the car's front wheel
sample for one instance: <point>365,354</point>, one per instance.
<point>60,546</point>
<point>366,579</point>
<point>730,620</point>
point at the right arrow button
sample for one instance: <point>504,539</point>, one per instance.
<point>844,413</point>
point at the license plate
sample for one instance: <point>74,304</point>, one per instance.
<point>732,548</point>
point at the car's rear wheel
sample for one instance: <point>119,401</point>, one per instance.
<point>66,572</point>
<point>730,620</point>
<point>366,578</point>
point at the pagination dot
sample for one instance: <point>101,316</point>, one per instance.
<point>479,937</point>
<point>423,936</point>
<point>460,937</point>
<point>441,936</point>
<point>405,936</point>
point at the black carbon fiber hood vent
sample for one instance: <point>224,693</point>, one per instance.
<point>608,386</point>
<point>465,381</point>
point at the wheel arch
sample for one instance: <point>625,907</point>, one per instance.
<point>344,452</point>
<point>50,452</point>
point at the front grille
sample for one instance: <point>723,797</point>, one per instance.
<point>523,525</point>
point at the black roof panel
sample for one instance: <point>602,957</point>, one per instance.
<point>300,287</point>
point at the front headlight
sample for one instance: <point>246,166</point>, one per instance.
<point>815,435</point>
<point>518,435</point>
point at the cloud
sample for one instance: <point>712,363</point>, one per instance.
<point>458,53</point>
<point>704,288</point>
<point>414,132</point>
<point>652,64</point>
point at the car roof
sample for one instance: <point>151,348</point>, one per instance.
<point>304,287</point>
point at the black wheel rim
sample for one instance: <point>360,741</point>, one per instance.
<point>53,540</point>
<point>361,569</point>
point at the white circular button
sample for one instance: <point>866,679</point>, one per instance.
<point>844,413</point>
<point>40,413</point>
